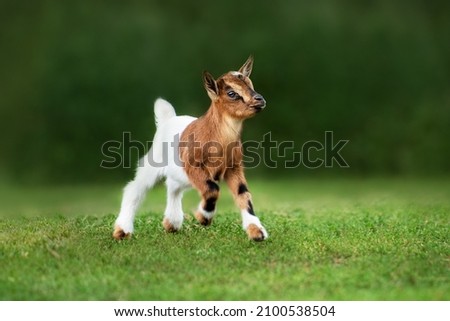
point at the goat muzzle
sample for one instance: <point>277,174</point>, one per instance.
<point>259,104</point>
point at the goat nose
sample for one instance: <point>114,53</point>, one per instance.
<point>260,101</point>
<point>258,97</point>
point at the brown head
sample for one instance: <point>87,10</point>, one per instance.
<point>233,92</point>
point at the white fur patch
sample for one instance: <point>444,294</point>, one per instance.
<point>248,219</point>
<point>163,111</point>
<point>164,154</point>
<point>237,73</point>
<point>206,214</point>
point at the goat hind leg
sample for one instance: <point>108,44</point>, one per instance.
<point>133,196</point>
<point>173,215</point>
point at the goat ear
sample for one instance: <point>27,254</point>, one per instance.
<point>210,85</point>
<point>246,68</point>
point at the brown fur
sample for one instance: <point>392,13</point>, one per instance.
<point>119,234</point>
<point>235,177</point>
<point>254,233</point>
<point>168,226</point>
<point>202,220</point>
<point>210,147</point>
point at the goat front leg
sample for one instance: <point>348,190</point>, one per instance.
<point>250,222</point>
<point>208,188</point>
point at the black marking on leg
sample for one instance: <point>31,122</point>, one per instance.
<point>210,204</point>
<point>242,189</point>
<point>217,176</point>
<point>212,186</point>
<point>250,208</point>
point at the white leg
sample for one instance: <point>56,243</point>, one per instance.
<point>173,215</point>
<point>133,196</point>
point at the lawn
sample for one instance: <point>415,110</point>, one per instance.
<point>376,239</point>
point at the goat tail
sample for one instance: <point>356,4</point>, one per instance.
<point>163,111</point>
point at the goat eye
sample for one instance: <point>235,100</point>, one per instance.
<point>232,94</point>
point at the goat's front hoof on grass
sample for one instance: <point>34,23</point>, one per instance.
<point>119,234</point>
<point>202,219</point>
<point>169,227</point>
<point>256,233</point>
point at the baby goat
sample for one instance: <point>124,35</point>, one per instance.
<point>199,153</point>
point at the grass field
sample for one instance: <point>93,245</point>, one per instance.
<point>377,239</point>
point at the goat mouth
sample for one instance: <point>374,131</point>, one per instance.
<point>259,107</point>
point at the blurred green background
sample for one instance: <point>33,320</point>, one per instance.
<point>75,74</point>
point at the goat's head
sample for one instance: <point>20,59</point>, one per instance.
<point>233,92</point>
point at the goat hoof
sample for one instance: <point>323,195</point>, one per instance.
<point>255,233</point>
<point>119,234</point>
<point>202,219</point>
<point>169,227</point>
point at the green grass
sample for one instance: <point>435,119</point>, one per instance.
<point>329,240</point>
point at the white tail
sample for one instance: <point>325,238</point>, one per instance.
<point>163,111</point>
